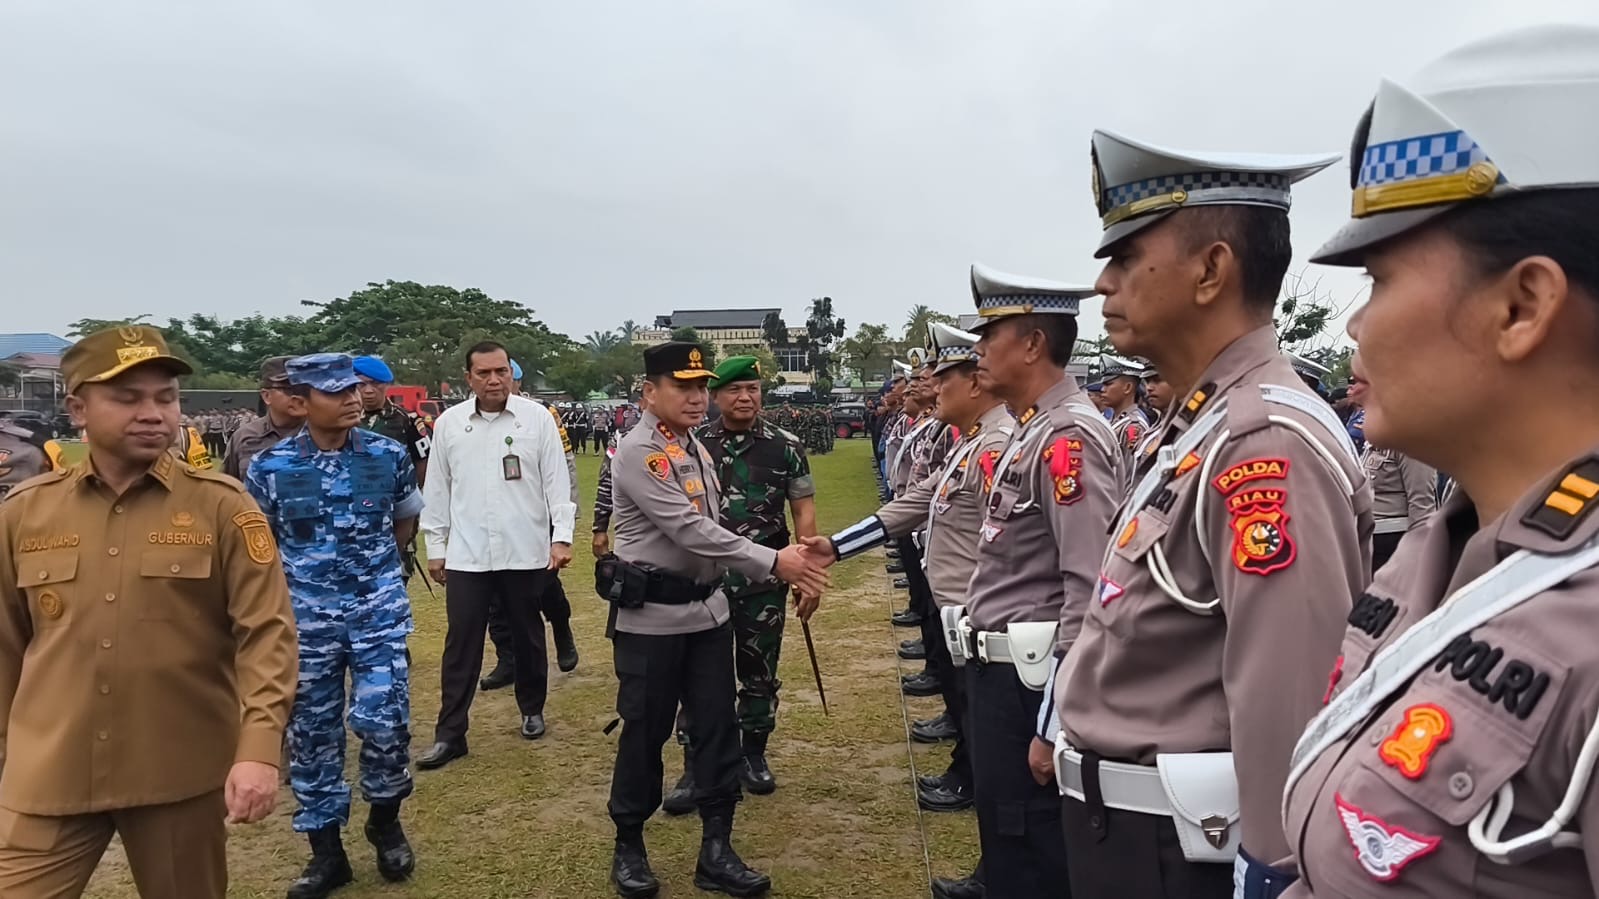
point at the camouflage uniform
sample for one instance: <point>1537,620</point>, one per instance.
<point>333,514</point>
<point>760,470</point>
<point>402,427</point>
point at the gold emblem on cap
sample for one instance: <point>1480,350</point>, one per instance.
<point>131,336</point>
<point>50,605</point>
<point>1481,177</point>
<point>695,358</point>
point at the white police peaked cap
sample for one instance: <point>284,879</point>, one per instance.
<point>1138,184</point>
<point>917,357</point>
<point>1306,368</point>
<point>999,295</point>
<point>1511,113</point>
<point>1115,367</point>
<point>899,369</point>
<point>951,346</point>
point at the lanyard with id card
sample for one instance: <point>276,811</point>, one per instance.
<point>510,465</point>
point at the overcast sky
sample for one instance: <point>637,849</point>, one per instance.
<point>605,161</point>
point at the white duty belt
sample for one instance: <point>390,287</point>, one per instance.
<point>1028,645</point>
<point>1390,525</point>
<point>1197,790</point>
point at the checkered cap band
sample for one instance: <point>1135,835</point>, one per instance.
<point>1123,194</point>
<point>1414,158</point>
<point>1039,302</point>
<point>956,353</point>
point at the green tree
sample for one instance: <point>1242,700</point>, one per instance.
<point>83,327</point>
<point>823,331</point>
<point>922,317</point>
<point>1305,314</point>
<point>220,381</point>
<point>381,314</point>
<point>600,342</point>
<point>575,373</point>
<point>774,330</point>
<point>628,329</point>
<point>870,353</point>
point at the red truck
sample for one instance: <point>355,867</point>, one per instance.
<point>416,401</point>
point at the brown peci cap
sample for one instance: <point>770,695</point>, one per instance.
<point>275,372</point>
<point>106,354</point>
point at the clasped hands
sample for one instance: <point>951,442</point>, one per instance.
<point>803,566</point>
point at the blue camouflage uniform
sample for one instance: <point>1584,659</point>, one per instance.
<point>333,514</point>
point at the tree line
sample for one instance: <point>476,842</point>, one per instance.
<point>422,331</point>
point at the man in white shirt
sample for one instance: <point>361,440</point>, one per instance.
<point>498,525</point>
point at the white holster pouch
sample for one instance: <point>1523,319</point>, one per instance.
<point>1028,645</point>
<point>957,632</point>
<point>1197,790</point>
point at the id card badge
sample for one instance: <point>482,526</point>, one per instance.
<point>510,465</point>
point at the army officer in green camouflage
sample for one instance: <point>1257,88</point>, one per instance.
<point>761,467</point>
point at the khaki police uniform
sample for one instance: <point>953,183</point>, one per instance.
<point>1403,494</point>
<point>1455,754</point>
<point>1245,539</point>
<point>22,456</point>
<point>146,645</point>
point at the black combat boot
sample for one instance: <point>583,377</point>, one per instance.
<point>630,866</point>
<point>720,870</point>
<point>680,801</point>
<point>503,675</point>
<point>328,869</point>
<point>565,645</point>
<point>383,831</point>
<point>756,776</point>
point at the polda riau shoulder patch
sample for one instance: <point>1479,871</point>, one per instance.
<point>658,465</point>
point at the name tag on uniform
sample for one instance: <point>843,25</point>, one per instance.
<point>510,465</point>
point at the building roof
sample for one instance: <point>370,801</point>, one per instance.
<point>33,360</point>
<point>715,318</point>
<point>35,342</point>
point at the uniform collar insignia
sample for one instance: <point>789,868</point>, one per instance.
<point>665,431</point>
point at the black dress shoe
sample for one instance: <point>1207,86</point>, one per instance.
<point>947,798</point>
<point>965,888</point>
<point>565,647</point>
<point>912,650</point>
<point>440,754</point>
<point>893,555</point>
<point>503,674</point>
<point>929,781</point>
<point>902,583</point>
<point>935,730</point>
<point>328,869</point>
<point>907,618</point>
<point>719,869</point>
<point>396,861</point>
<point>895,567</point>
<point>532,727</point>
<point>630,871</point>
<point>923,684</point>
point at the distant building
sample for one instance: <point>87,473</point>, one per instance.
<point>722,329</point>
<point>30,371</point>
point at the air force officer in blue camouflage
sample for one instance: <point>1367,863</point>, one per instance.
<point>342,501</point>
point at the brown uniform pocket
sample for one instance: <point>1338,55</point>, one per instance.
<point>49,580</point>
<point>175,584</point>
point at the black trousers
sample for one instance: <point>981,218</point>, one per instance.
<point>655,673</point>
<point>1118,854</point>
<point>599,440</point>
<point>467,597</point>
<point>954,687</point>
<point>1018,821</point>
<point>557,610</point>
<point>1382,548</point>
<point>921,600</point>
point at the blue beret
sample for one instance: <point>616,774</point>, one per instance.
<point>374,368</point>
<point>516,371</point>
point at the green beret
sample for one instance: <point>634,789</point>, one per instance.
<point>736,368</point>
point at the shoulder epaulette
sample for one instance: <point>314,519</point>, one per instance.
<point>211,474</point>
<point>1570,500</point>
<point>39,480</point>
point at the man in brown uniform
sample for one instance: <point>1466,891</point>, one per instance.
<point>1455,755</point>
<point>147,646</point>
<point>1231,567</point>
<point>671,625</point>
<point>278,424</point>
<point>1055,487</point>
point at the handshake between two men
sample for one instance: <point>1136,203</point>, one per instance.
<point>803,566</point>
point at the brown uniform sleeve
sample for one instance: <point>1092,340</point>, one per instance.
<point>266,645</point>
<point>16,628</point>
<point>1080,497</point>
<point>1287,559</point>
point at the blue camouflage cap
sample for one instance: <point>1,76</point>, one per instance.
<point>327,372</point>
<point>374,369</point>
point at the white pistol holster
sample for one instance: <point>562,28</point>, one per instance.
<point>957,632</point>
<point>1032,651</point>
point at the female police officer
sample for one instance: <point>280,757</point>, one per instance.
<point>1455,755</point>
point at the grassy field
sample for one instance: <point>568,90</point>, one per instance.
<point>527,819</point>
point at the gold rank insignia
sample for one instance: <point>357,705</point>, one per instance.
<point>676,452</point>
<point>696,359</point>
<point>136,348</point>
<point>50,605</point>
<point>257,537</point>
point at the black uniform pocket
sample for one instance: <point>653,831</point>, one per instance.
<point>632,673</point>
